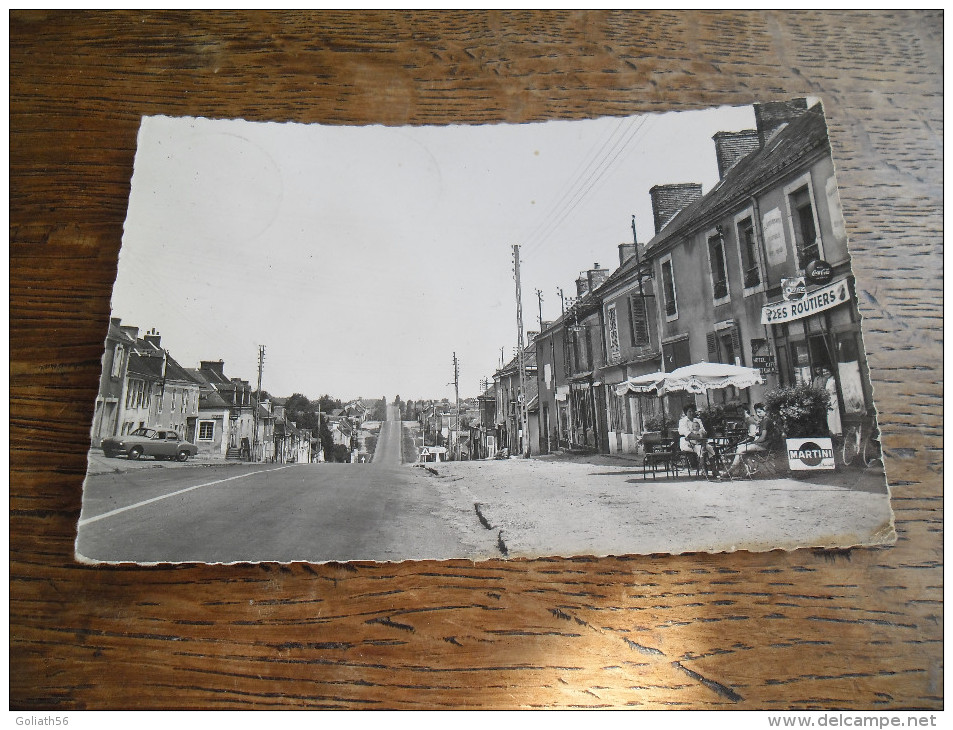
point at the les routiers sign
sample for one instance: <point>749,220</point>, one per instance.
<point>813,302</point>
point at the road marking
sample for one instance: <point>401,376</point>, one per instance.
<point>173,494</point>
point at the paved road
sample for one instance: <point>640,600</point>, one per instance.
<point>278,512</point>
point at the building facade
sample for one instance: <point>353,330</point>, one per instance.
<point>757,272</point>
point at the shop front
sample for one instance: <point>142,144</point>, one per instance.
<point>817,340</point>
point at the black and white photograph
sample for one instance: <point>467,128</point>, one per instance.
<point>617,336</point>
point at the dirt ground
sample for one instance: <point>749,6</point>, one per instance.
<point>602,505</point>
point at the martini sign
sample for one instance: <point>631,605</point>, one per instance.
<point>810,454</point>
<point>813,302</point>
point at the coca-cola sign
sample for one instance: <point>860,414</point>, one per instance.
<point>819,272</point>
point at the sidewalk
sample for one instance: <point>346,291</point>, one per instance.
<point>602,505</point>
<point>98,463</point>
<point>868,479</point>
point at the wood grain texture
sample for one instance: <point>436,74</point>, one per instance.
<point>807,629</point>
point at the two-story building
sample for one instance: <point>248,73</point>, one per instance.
<point>157,392</point>
<point>632,348</point>
<point>570,353</point>
<point>510,398</point>
<point>226,420</point>
<point>109,400</point>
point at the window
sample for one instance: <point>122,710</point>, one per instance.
<point>137,395</point>
<point>805,229</point>
<point>612,326</point>
<point>668,287</point>
<point>173,401</point>
<point>638,321</point>
<point>717,264</point>
<point>724,345</point>
<point>748,248</point>
<point>117,361</point>
<point>206,430</point>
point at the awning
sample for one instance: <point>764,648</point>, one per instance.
<point>647,383</point>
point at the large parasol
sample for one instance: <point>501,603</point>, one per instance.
<point>706,376</point>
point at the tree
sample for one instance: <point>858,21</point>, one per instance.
<point>327,440</point>
<point>329,404</point>
<point>379,412</point>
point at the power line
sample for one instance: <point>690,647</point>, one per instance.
<point>595,177</point>
<point>577,174</point>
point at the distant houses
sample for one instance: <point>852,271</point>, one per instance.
<point>143,386</point>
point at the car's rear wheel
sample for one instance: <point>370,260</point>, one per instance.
<point>135,453</point>
<point>183,455</point>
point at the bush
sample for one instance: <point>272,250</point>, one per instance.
<point>341,454</point>
<point>799,410</point>
<point>714,417</point>
<point>659,422</point>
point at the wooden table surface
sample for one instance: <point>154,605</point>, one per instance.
<point>854,629</point>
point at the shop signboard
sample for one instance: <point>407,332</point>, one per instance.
<point>766,364</point>
<point>762,357</point>
<point>810,454</point>
<point>816,301</point>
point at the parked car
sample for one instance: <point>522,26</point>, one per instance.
<point>149,442</point>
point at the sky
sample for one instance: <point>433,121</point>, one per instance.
<point>364,258</point>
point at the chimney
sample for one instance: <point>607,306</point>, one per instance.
<point>216,366</point>
<point>130,331</point>
<point>732,146</point>
<point>668,200</point>
<point>582,285</point>
<point>596,275</point>
<point>768,117</point>
<point>546,324</point>
<point>626,252</point>
<point>115,321</point>
<point>531,336</point>
<point>153,338</point>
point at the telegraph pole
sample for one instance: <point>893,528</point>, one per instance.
<point>261,364</point>
<point>521,401</point>
<point>562,299</point>
<point>539,296</point>
<point>456,391</point>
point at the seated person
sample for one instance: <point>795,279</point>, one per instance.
<point>693,437</point>
<point>760,434</point>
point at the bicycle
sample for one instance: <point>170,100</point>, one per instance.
<point>860,441</point>
<point>754,464</point>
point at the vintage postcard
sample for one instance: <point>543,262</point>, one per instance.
<point>603,337</point>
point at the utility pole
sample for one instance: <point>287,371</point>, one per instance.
<point>521,400</point>
<point>261,364</point>
<point>539,296</point>
<point>456,391</point>
<point>562,299</point>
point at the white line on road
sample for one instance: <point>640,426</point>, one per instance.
<point>173,494</point>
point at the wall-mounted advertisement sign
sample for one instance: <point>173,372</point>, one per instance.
<point>793,289</point>
<point>816,301</point>
<point>762,357</point>
<point>819,272</point>
<point>772,227</point>
<point>810,454</point>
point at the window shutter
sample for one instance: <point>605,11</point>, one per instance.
<point>712,347</point>
<point>736,345</point>
<point>640,330</point>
